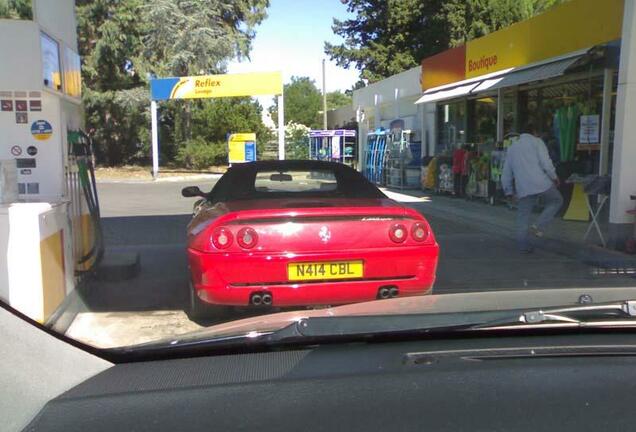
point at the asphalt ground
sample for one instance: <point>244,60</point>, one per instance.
<point>150,218</point>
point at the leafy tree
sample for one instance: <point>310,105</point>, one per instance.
<point>388,37</point>
<point>115,95</point>
<point>120,122</point>
<point>199,36</point>
<point>303,101</point>
<point>123,42</point>
<point>199,154</point>
<point>358,85</point>
<point>16,9</point>
<point>475,18</point>
<point>110,43</point>
<point>338,99</point>
<point>215,118</point>
<point>196,37</point>
<point>296,141</point>
<point>212,120</point>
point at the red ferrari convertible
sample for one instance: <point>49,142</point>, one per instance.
<point>304,233</point>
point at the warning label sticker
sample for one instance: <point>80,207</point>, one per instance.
<point>16,150</point>
<point>21,118</point>
<point>41,130</point>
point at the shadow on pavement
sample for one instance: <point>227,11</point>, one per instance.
<point>162,283</point>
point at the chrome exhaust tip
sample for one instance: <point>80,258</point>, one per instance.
<point>384,293</point>
<point>256,299</point>
<point>393,292</point>
<point>267,299</point>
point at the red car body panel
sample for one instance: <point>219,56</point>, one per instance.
<point>301,230</point>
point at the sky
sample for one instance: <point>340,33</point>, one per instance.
<point>291,39</point>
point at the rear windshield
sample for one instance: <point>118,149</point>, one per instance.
<point>295,181</point>
<point>262,183</point>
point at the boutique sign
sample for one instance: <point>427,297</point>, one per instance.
<point>484,64</point>
<point>569,27</point>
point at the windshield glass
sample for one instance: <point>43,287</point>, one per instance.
<point>205,169</point>
<point>295,181</point>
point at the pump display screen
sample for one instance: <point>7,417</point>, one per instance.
<point>51,62</point>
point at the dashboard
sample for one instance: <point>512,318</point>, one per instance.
<point>524,383</point>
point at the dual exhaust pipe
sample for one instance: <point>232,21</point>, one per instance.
<point>388,292</point>
<point>266,299</point>
<point>261,299</point>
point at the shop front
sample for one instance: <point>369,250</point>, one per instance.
<point>557,72</point>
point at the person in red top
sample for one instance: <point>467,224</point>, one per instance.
<point>459,158</point>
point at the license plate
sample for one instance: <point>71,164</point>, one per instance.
<point>325,270</point>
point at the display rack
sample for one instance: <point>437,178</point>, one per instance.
<point>444,179</point>
<point>375,156</point>
<point>399,157</point>
<point>337,145</point>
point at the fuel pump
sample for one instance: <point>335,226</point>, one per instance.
<point>49,216</point>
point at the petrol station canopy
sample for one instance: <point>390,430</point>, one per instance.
<point>212,86</point>
<point>215,86</point>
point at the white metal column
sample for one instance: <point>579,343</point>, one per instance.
<point>361,137</point>
<point>430,122</point>
<point>155,139</point>
<point>624,158</point>
<point>608,84</point>
<point>281,128</point>
<point>396,101</point>
<point>377,113</point>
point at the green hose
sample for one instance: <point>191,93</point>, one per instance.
<point>81,147</point>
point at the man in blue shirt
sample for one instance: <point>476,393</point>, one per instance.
<point>528,175</point>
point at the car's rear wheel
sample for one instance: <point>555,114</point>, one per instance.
<point>199,310</point>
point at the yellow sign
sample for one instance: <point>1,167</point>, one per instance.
<point>211,86</point>
<point>242,147</point>
<point>566,28</point>
<point>250,136</point>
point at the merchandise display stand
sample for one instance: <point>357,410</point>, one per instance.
<point>399,157</point>
<point>333,145</point>
<point>375,157</point>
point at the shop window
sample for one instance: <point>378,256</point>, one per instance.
<point>482,127</point>
<point>557,112</point>
<point>510,112</point>
<point>51,62</point>
<point>451,126</point>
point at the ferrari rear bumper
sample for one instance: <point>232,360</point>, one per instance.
<point>232,279</point>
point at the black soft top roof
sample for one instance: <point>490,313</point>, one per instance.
<point>238,181</point>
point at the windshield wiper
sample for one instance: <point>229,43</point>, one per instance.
<point>321,329</point>
<point>619,314</point>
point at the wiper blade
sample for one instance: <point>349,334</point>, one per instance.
<point>606,314</point>
<point>310,330</point>
<point>619,314</point>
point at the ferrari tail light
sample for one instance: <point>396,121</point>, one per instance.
<point>247,238</point>
<point>222,238</point>
<point>420,231</point>
<point>398,233</point>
